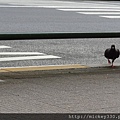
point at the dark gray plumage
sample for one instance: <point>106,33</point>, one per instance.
<point>111,53</point>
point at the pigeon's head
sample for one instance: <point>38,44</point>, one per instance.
<point>112,46</point>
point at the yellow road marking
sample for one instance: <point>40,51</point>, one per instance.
<point>34,68</point>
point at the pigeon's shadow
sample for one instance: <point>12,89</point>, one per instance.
<point>110,67</point>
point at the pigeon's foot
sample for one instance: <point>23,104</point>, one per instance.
<point>112,65</point>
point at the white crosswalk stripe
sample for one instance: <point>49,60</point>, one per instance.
<point>3,46</point>
<point>28,58</point>
<point>88,10</point>
<point>103,9</point>
<point>110,16</point>
<point>24,55</point>
<point>97,12</point>
<point>21,53</point>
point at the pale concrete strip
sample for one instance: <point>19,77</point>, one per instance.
<point>34,68</point>
<point>2,80</point>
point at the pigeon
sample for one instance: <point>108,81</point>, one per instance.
<point>111,53</point>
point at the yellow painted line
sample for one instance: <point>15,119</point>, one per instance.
<point>34,68</point>
<point>1,70</point>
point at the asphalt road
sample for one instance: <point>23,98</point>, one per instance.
<point>89,90</point>
<point>88,52</point>
<point>48,18</point>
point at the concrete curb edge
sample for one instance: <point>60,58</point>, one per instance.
<point>48,71</point>
<point>18,36</point>
<point>55,67</point>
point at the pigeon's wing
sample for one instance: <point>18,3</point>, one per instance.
<point>117,53</point>
<point>107,53</point>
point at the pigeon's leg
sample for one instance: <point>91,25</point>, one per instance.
<point>112,63</point>
<point>109,61</point>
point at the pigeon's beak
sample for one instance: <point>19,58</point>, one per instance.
<point>113,47</point>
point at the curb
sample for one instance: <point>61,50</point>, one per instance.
<point>42,68</point>
<point>18,36</point>
<point>57,67</point>
<point>58,70</point>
